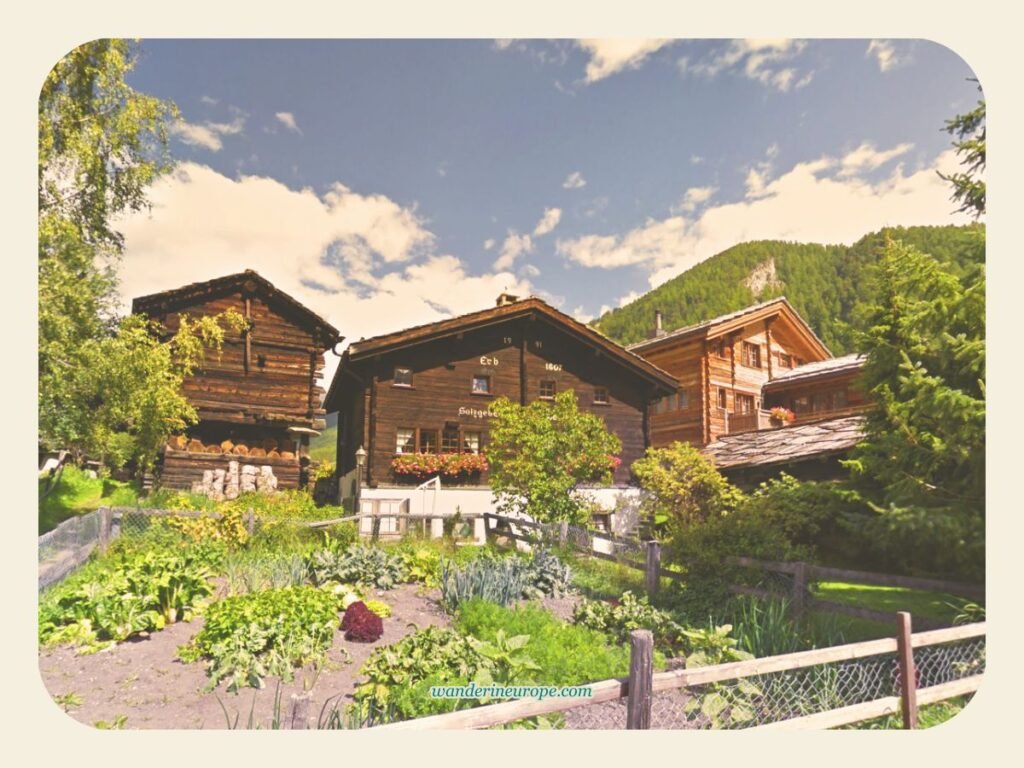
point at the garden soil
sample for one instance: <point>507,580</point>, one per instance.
<point>144,680</point>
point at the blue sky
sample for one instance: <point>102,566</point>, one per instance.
<point>387,183</point>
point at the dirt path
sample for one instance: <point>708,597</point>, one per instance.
<point>144,680</point>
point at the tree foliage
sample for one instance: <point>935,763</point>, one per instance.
<point>968,185</point>
<point>540,454</point>
<point>826,284</point>
<point>923,462</point>
<point>683,487</point>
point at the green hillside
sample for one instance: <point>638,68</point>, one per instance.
<point>325,445</point>
<point>825,283</point>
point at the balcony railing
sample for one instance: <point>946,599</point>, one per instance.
<point>761,419</point>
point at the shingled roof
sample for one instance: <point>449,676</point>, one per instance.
<point>786,444</point>
<point>819,369</point>
<point>155,303</point>
<point>740,316</point>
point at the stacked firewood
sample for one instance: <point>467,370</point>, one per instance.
<point>267,448</point>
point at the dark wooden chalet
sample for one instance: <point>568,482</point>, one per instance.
<point>428,389</point>
<point>259,401</point>
<point>722,365</point>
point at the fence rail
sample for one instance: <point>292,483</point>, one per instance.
<point>779,579</point>
<point>823,688</point>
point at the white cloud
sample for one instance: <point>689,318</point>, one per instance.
<point>514,246</point>
<point>209,100</point>
<point>207,135</point>
<point>548,221</point>
<point>582,315</point>
<point>363,262</point>
<point>694,197</point>
<point>489,243</point>
<point>885,53</point>
<point>812,202</point>
<point>287,119</point>
<point>696,159</point>
<point>767,61</point>
<point>611,55</point>
<point>574,180</point>
<point>503,44</point>
<point>530,270</point>
<point>867,158</point>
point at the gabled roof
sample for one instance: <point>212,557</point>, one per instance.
<point>786,444</point>
<point>717,326</point>
<point>365,348</point>
<point>157,303</point>
<point>820,369</point>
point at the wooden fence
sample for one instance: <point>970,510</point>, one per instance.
<point>643,684</point>
<point>799,574</point>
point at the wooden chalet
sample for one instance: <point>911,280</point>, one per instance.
<point>428,389</point>
<point>259,401</point>
<point>722,365</point>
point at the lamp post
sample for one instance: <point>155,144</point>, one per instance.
<point>360,463</point>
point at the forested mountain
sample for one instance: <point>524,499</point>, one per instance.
<point>825,283</point>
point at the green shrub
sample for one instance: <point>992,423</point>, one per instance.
<point>566,654</point>
<point>249,637</point>
<point>501,581</point>
<point>627,614</point>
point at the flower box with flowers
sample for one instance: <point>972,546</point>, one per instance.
<point>780,416</point>
<point>452,466</point>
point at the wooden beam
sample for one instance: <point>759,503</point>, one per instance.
<point>247,356</point>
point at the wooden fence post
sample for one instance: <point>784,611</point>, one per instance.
<point>250,522</point>
<point>641,680</point>
<point>106,519</point>
<point>799,590</point>
<point>563,533</point>
<point>908,673</point>
<point>300,710</point>
<point>653,567</point>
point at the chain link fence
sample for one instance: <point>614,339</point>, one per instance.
<point>67,546</point>
<point>770,698</point>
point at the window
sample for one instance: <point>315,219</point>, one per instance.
<point>838,398</point>
<point>751,355</point>
<point>684,399</point>
<point>722,398</point>
<point>659,405</point>
<point>547,389</point>
<point>403,377</point>
<point>471,442</point>
<point>671,405</point>
<point>450,440</point>
<point>801,404</point>
<point>785,360</point>
<point>481,385</point>
<point>406,442</point>
<point>600,396</point>
<point>718,347</point>
<point>744,403</point>
<point>428,441</point>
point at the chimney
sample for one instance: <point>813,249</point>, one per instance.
<point>658,330</point>
<point>505,299</point>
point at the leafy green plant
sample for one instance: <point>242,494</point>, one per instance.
<point>117,724</point>
<point>722,704</point>
<point>501,581</point>
<point>397,677</point>
<point>379,607</point>
<point>123,596</point>
<point>507,656</point>
<point>369,566</point>
<point>67,701</point>
<point>547,575</point>
<point>250,637</point>
<point>621,617</point>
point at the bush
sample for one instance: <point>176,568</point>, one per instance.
<point>566,654</point>
<point>249,637</point>
<point>361,624</point>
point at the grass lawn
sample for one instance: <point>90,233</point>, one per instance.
<point>324,447</point>
<point>76,494</point>
<point>933,605</point>
<point>927,717</point>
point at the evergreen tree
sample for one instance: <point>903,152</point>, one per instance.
<point>968,185</point>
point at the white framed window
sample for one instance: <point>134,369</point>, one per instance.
<point>471,442</point>
<point>406,440</point>
<point>402,377</point>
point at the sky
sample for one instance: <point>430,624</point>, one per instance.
<point>388,183</point>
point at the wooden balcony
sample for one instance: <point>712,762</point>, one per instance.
<point>761,419</point>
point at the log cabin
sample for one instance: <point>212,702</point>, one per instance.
<point>427,389</point>
<point>818,391</point>
<point>259,400</point>
<point>722,365</point>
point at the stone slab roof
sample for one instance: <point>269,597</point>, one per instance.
<point>819,368</point>
<point>786,444</point>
